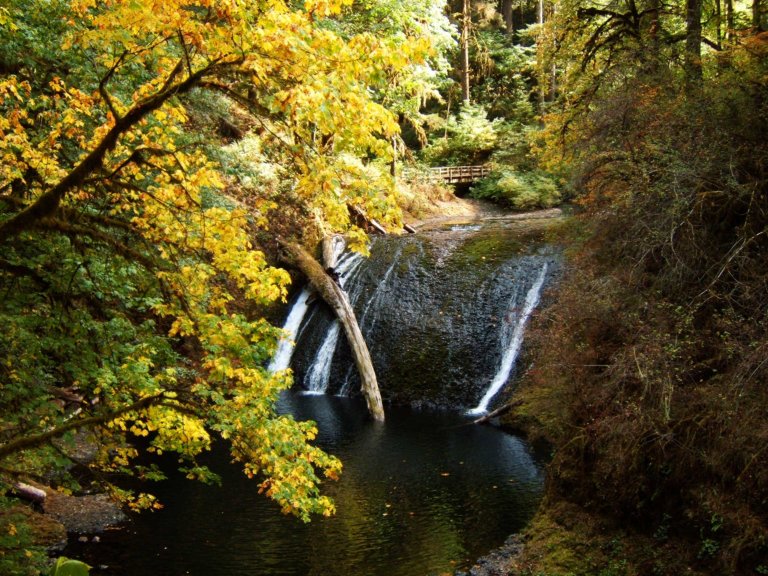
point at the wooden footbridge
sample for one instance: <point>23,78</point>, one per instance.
<point>449,174</point>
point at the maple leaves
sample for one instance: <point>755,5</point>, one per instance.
<point>120,245</point>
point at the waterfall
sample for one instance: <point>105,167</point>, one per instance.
<point>317,377</point>
<point>367,327</point>
<point>282,357</point>
<point>443,313</point>
<point>513,347</point>
<point>316,381</point>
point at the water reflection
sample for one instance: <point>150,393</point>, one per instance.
<point>422,494</point>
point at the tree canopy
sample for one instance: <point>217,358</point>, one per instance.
<point>133,292</point>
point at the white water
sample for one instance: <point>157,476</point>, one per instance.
<point>282,357</point>
<point>510,355</point>
<point>319,374</point>
<point>347,267</point>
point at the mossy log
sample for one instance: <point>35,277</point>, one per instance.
<point>498,412</point>
<point>330,244</point>
<point>369,223</point>
<point>336,298</point>
<point>29,492</point>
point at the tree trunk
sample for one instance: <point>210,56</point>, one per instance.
<point>507,12</point>
<point>336,298</point>
<point>465,24</point>
<point>553,73</point>
<point>393,164</point>
<point>693,42</point>
<point>329,249</point>
<point>651,28</point>
<point>757,23</point>
<point>729,20</point>
<point>542,89</point>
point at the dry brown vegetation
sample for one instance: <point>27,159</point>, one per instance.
<point>651,368</point>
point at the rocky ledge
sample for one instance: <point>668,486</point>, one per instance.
<point>499,562</point>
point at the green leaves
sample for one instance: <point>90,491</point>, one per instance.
<point>132,291</point>
<point>471,138</point>
<point>66,567</point>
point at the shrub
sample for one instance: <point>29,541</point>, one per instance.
<point>519,190</point>
<point>468,139</point>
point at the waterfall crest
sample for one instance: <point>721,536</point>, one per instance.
<point>443,314</point>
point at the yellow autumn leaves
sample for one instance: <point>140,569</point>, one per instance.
<point>105,155</point>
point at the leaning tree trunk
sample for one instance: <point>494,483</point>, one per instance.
<point>337,300</point>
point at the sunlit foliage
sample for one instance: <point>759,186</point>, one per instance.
<point>128,271</point>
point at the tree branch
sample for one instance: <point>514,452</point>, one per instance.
<point>123,250</point>
<point>35,440</point>
<point>49,201</point>
<point>103,86</point>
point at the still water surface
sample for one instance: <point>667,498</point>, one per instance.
<point>423,494</point>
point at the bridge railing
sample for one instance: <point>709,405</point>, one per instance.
<point>450,174</point>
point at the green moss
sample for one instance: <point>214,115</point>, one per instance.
<point>487,247</point>
<point>554,549</point>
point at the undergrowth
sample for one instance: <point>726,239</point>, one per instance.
<point>650,370</point>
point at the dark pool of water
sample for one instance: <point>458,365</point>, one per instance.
<point>422,494</point>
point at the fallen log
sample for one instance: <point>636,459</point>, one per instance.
<point>336,298</point>
<point>332,245</point>
<point>31,493</point>
<point>498,412</point>
<point>360,213</point>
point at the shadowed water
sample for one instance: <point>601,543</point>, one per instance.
<point>423,494</point>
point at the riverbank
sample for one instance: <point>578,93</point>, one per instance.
<point>654,410</point>
<point>443,208</point>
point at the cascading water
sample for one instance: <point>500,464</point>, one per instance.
<point>443,314</point>
<point>282,358</point>
<point>513,346</point>
<point>318,376</point>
